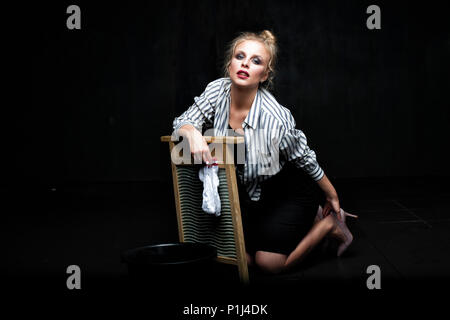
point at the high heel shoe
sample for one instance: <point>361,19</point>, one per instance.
<point>342,213</point>
<point>319,215</point>
<point>347,235</point>
<point>342,227</point>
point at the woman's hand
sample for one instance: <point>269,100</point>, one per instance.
<point>197,143</point>
<point>332,204</point>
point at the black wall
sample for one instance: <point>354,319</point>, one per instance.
<point>372,103</point>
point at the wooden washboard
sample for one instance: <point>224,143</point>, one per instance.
<point>225,232</point>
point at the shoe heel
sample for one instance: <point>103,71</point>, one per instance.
<point>344,214</point>
<point>350,215</point>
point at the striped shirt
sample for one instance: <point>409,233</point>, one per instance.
<point>270,136</point>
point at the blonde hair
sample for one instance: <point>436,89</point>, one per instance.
<point>265,37</point>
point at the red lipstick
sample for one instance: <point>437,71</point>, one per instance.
<point>243,74</point>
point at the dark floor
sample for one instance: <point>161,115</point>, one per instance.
<point>403,227</point>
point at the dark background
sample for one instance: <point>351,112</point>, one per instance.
<point>90,177</point>
<point>373,103</point>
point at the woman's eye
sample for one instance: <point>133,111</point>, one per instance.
<point>256,61</point>
<point>239,56</point>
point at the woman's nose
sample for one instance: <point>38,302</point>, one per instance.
<point>245,63</point>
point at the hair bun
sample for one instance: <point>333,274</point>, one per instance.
<point>268,36</point>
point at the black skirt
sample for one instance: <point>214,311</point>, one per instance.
<point>284,214</point>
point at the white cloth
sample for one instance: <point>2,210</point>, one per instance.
<point>211,199</point>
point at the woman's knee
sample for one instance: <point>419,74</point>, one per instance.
<point>270,262</point>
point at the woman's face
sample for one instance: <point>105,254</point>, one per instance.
<point>249,64</point>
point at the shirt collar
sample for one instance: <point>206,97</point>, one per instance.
<point>253,115</point>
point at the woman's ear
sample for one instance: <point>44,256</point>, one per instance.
<point>266,76</point>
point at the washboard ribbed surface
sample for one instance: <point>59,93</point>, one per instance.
<point>198,226</point>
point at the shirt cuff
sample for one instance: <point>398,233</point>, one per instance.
<point>317,173</point>
<point>182,123</point>
<point>175,134</point>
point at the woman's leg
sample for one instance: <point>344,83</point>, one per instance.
<point>319,230</point>
<point>276,262</point>
<point>270,262</point>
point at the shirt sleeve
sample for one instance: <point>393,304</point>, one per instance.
<point>203,109</point>
<point>294,147</point>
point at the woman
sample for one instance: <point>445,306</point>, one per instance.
<point>281,224</point>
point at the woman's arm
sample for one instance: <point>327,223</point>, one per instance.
<point>295,148</point>
<point>189,124</point>
<point>203,110</point>
<point>332,199</point>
